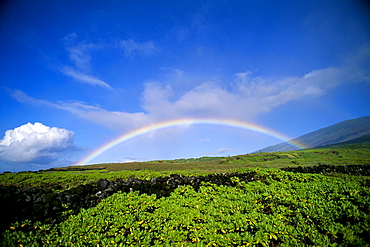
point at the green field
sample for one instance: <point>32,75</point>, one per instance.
<point>276,208</point>
<point>66,178</point>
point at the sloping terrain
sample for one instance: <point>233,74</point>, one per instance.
<point>337,133</point>
<point>357,142</point>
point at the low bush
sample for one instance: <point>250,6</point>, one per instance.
<point>277,209</point>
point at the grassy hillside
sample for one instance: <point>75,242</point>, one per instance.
<point>269,207</point>
<point>340,132</point>
<point>355,143</point>
<point>68,177</point>
<point>340,155</point>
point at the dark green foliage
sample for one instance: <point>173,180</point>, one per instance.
<point>278,209</point>
<point>275,208</point>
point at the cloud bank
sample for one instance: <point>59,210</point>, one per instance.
<point>35,143</point>
<point>243,98</point>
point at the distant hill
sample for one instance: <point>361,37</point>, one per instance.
<point>360,140</point>
<point>338,133</point>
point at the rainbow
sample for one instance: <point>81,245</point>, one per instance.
<point>182,122</point>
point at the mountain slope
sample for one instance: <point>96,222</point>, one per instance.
<point>357,141</point>
<point>340,132</point>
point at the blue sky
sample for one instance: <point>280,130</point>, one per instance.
<point>77,74</point>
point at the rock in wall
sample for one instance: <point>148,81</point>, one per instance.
<point>48,206</point>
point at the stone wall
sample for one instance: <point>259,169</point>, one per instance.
<point>356,170</point>
<point>45,205</point>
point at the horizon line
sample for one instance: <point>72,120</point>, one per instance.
<point>182,122</point>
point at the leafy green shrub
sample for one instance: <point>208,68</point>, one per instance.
<point>279,208</point>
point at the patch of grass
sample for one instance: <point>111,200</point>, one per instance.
<point>307,157</point>
<point>68,177</point>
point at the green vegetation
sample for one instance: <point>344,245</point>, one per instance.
<point>278,209</point>
<point>58,179</point>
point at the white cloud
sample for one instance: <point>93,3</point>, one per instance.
<point>79,52</point>
<point>203,140</point>
<point>224,150</point>
<point>79,55</point>
<point>119,121</point>
<point>34,143</point>
<point>244,98</point>
<point>84,77</point>
<point>247,96</point>
<point>131,47</point>
<point>129,159</point>
<point>360,56</point>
